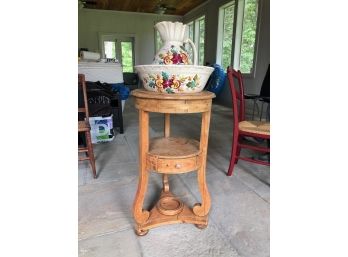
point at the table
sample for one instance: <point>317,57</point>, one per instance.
<point>171,155</point>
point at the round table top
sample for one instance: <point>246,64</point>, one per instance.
<point>142,93</point>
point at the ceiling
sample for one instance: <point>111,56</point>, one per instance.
<point>174,7</point>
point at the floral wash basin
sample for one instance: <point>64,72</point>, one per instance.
<point>172,79</point>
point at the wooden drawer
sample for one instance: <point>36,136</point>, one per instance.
<point>173,165</point>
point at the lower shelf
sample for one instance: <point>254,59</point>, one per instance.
<point>173,147</point>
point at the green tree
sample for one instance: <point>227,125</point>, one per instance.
<point>227,36</point>
<point>127,60</point>
<point>248,36</point>
<point>201,41</point>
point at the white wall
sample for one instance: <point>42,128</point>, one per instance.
<point>211,12</point>
<point>91,22</point>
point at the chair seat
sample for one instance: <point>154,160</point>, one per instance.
<point>259,127</point>
<point>84,126</point>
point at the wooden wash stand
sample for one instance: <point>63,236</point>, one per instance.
<point>171,155</point>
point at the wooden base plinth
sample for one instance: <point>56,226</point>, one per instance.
<point>170,210</point>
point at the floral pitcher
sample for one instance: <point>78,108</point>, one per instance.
<point>173,50</point>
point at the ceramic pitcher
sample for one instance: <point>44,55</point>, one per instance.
<point>173,50</point>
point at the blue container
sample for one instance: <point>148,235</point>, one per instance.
<point>217,79</point>
<point>121,89</point>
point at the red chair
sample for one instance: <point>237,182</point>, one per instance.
<point>244,128</point>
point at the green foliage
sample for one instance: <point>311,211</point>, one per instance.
<point>249,36</point>
<point>127,60</point>
<point>158,42</point>
<point>227,36</point>
<point>201,41</point>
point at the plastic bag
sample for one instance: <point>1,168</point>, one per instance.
<point>101,129</point>
<point>122,90</point>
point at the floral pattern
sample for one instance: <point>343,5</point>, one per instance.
<point>166,83</point>
<point>174,56</point>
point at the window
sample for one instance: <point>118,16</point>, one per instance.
<point>201,29</point>
<point>110,49</point>
<point>246,61</point>
<point>191,31</point>
<point>237,35</point>
<point>158,41</point>
<point>196,32</point>
<point>118,47</point>
<point>127,56</point>
<point>191,35</point>
<point>225,34</point>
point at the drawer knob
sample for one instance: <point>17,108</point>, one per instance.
<point>178,165</point>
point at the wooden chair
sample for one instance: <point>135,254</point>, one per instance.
<point>84,126</point>
<point>244,128</point>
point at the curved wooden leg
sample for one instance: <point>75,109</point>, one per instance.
<point>203,208</point>
<point>141,215</point>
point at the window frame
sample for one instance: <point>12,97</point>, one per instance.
<point>118,38</point>
<point>193,30</point>
<point>196,34</point>
<point>237,35</point>
<point>220,37</point>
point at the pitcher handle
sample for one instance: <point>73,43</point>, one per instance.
<point>195,61</point>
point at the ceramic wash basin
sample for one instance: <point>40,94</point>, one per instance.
<point>174,78</point>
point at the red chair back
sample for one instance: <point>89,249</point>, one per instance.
<point>235,80</point>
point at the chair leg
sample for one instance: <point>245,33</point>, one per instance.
<point>237,154</point>
<point>233,154</point>
<point>90,153</point>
